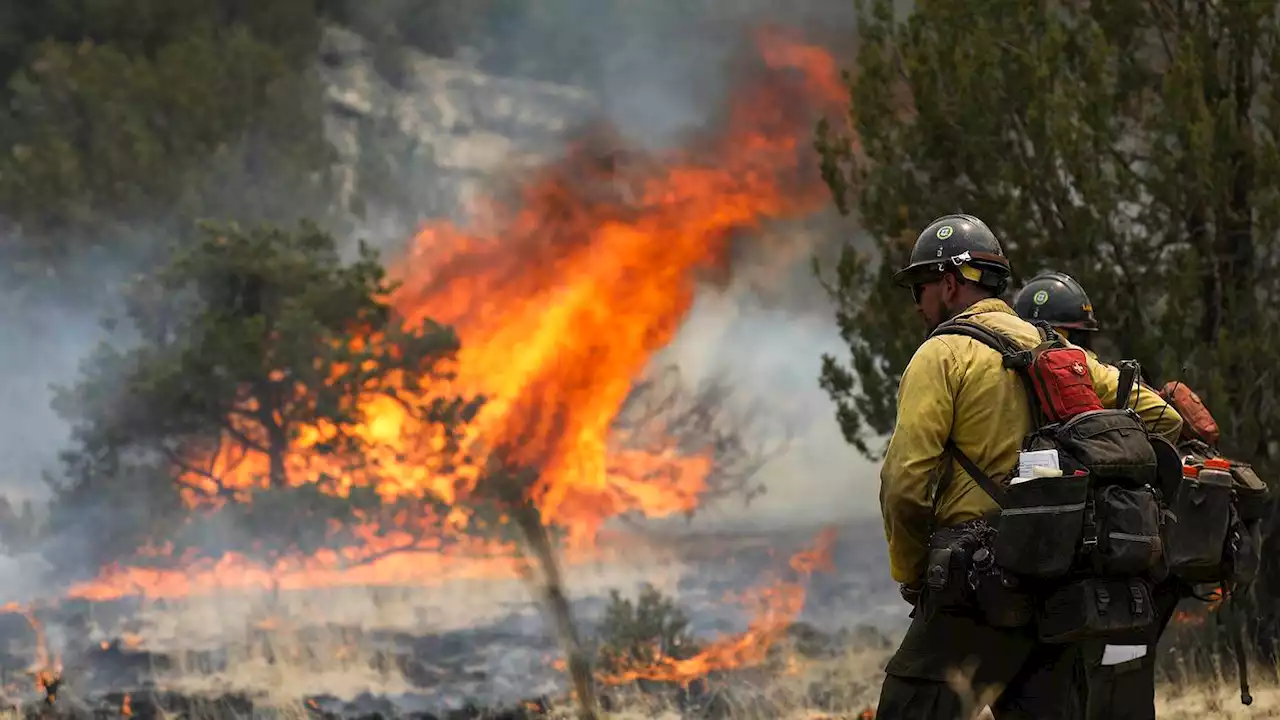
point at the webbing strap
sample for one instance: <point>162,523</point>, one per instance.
<point>984,480</point>
<point>1015,358</point>
<point>1237,642</point>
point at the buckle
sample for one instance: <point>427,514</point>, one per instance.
<point>1018,360</point>
<point>1138,602</point>
<point>937,578</point>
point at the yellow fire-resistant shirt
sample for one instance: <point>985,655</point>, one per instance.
<point>956,387</point>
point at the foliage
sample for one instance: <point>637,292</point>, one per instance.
<point>123,122</point>
<point>258,352</point>
<point>1130,144</point>
<point>640,633</point>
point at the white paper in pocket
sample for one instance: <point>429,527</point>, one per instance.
<point>1116,654</point>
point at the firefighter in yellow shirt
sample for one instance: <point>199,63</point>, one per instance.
<point>1114,680</point>
<point>956,389</point>
<point>1058,299</point>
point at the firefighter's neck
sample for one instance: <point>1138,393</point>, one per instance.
<point>960,296</point>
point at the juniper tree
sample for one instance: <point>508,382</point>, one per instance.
<point>262,350</point>
<point>1130,144</point>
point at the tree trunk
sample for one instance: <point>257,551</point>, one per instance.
<point>278,450</point>
<point>551,587</point>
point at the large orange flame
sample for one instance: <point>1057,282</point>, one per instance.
<point>561,296</point>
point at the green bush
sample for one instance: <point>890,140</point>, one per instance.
<point>641,633</point>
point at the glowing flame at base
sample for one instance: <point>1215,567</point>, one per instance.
<point>776,608</point>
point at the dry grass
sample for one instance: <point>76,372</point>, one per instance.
<point>280,666</point>
<point>791,688</point>
<point>850,685</point>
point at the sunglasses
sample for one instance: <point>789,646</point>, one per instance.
<point>917,288</point>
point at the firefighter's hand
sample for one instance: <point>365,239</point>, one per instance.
<point>911,592</point>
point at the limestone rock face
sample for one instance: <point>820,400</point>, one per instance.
<point>421,134</point>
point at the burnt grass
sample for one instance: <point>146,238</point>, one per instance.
<point>101,682</point>
<point>502,670</point>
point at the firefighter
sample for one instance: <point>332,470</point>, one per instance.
<point>1059,300</point>
<point>957,389</point>
<point>1113,680</point>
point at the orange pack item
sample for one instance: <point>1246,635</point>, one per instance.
<point>1196,418</point>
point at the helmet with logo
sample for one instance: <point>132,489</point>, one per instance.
<point>1057,299</point>
<point>962,244</point>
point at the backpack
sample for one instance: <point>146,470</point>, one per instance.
<point>1216,508</point>
<point>1088,543</point>
<point>1214,532</point>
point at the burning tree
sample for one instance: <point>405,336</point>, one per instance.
<point>258,354</point>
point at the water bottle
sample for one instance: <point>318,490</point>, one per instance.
<point>1216,471</point>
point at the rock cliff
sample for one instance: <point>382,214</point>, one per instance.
<point>419,134</point>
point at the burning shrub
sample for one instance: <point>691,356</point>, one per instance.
<point>259,356</point>
<point>642,633</point>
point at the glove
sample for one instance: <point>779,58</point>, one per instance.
<point>911,592</point>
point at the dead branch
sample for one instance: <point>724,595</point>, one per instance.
<point>664,411</point>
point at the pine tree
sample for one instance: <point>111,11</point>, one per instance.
<point>123,122</point>
<point>1130,144</point>
<point>247,343</point>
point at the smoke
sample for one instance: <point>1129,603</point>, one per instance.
<point>771,357</point>
<point>43,347</point>
<point>660,81</point>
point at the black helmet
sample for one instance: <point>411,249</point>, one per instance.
<point>951,242</point>
<point>1057,299</point>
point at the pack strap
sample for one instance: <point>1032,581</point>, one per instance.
<point>1014,357</point>
<point>985,335</point>
<point>989,486</point>
<point>1242,662</point>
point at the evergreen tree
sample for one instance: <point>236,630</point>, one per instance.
<point>261,350</point>
<point>124,121</point>
<point>1130,144</point>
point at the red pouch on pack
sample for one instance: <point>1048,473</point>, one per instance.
<point>1195,416</point>
<point>1062,382</point>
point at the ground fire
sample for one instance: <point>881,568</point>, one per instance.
<point>46,666</point>
<point>561,297</point>
<point>774,608</point>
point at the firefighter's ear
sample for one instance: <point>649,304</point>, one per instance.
<point>950,287</point>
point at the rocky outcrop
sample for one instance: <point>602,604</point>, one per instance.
<point>421,134</point>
